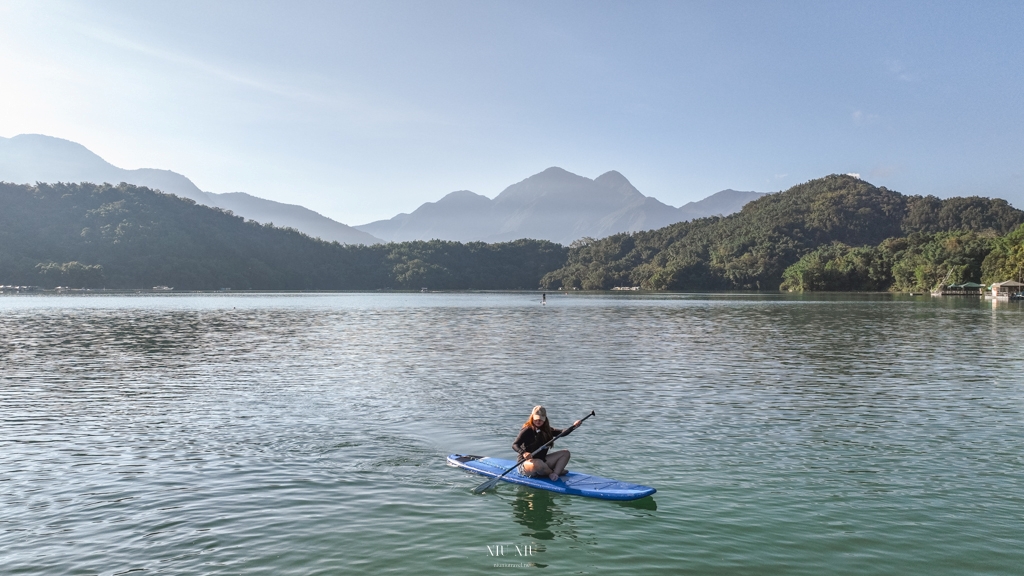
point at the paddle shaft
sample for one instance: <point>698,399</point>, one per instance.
<point>486,485</point>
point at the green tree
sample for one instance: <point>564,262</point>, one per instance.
<point>131,237</point>
<point>754,248</point>
<point>1006,260</point>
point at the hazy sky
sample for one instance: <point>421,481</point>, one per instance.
<point>363,110</point>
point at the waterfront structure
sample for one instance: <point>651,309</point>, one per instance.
<point>965,289</point>
<point>1004,290</point>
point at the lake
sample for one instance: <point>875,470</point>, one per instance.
<point>307,433</point>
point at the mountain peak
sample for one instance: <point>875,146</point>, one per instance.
<point>554,170</point>
<point>461,196</point>
<point>44,142</point>
<point>554,204</point>
<point>613,180</point>
<point>28,158</point>
<point>612,177</point>
<point>458,203</point>
<point>720,203</point>
<point>552,175</point>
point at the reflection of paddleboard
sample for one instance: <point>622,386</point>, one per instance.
<point>573,483</point>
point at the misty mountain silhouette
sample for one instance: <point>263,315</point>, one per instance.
<point>30,158</point>
<point>554,205</point>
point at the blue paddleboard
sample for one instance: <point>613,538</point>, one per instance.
<point>572,483</point>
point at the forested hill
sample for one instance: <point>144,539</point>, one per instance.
<point>103,236</point>
<point>752,248</point>
<point>96,236</point>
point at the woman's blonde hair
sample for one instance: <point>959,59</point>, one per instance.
<point>545,428</point>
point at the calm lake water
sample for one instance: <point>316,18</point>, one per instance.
<point>307,434</point>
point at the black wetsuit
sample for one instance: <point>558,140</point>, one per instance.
<point>529,440</point>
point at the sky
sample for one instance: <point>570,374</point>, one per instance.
<point>362,110</point>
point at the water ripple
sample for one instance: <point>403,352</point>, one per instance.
<point>306,434</point>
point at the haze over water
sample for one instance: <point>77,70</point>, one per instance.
<point>306,434</point>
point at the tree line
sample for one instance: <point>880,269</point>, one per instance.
<point>832,233</point>
<point>918,262</point>
<point>125,237</point>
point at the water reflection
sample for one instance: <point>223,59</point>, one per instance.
<point>997,303</point>
<point>537,511</point>
<point>642,504</point>
<point>546,517</point>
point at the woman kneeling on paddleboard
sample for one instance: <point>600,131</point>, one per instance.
<point>535,433</point>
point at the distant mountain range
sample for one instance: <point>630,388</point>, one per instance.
<point>554,205</point>
<point>30,158</point>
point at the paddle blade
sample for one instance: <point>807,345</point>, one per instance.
<point>486,485</point>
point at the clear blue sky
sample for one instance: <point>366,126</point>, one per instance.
<point>363,110</point>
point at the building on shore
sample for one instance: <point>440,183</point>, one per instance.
<point>965,289</point>
<point>1006,289</point>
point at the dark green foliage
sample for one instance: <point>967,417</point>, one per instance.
<point>86,235</point>
<point>834,233</point>
<point>927,259</point>
<point>1006,260</point>
<point>752,248</point>
<point>915,263</point>
<point>838,267</point>
<point>929,214</point>
<point>445,265</point>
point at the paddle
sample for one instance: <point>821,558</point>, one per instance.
<point>494,481</point>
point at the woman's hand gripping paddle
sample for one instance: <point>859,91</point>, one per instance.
<point>494,481</point>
